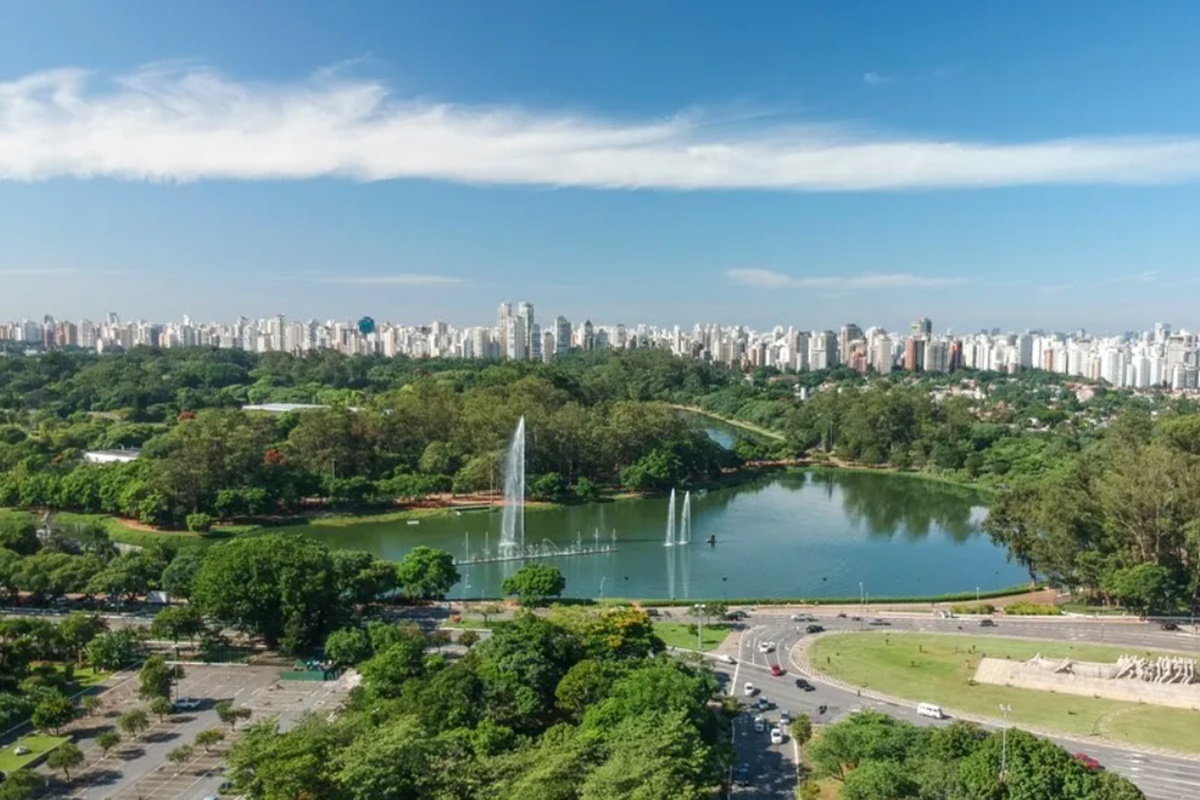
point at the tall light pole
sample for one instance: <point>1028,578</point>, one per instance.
<point>700,607</point>
<point>1005,709</point>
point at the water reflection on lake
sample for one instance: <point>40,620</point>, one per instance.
<point>792,534</point>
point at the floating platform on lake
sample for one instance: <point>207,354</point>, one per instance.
<point>535,552</point>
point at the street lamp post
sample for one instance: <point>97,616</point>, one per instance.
<point>1005,709</point>
<point>700,607</point>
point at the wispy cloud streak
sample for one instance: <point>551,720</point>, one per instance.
<point>189,123</point>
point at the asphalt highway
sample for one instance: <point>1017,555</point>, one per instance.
<point>1160,777</point>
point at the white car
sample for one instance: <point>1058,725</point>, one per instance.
<point>760,724</point>
<point>766,647</point>
<point>748,689</point>
<point>187,704</point>
<point>776,736</point>
<point>785,717</point>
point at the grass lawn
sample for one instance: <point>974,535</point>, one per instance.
<point>38,746</point>
<point>678,634</point>
<point>87,677</point>
<point>473,623</point>
<point>938,669</point>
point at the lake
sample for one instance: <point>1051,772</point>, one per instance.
<point>794,534</point>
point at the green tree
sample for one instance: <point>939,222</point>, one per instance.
<point>133,722</point>
<point>90,704</point>
<point>112,651</point>
<point>426,573</point>
<point>209,738</point>
<point>107,740</point>
<point>181,755</point>
<point>362,578</point>
<point>297,765</point>
<point>177,622</point>
<point>347,647</point>
<point>199,522</point>
<point>801,729</point>
<point>161,706</point>
<point>534,584</point>
<point>231,715</point>
<point>385,673</point>
<point>78,630</point>
<point>179,575</point>
<point>20,785</point>
<point>52,712</point>
<point>66,757</point>
<point>394,762</point>
<point>156,678</point>
<point>283,588</point>
<point>19,535</point>
<point>879,780</point>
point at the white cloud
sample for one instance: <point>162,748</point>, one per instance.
<point>876,79</point>
<point>768,279</point>
<point>185,123</point>
<point>398,279</point>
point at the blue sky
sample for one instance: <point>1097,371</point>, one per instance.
<point>987,165</point>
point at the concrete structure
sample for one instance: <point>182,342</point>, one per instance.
<point>123,456</point>
<point>1166,681</point>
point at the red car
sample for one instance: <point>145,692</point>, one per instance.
<point>776,670</point>
<point>1092,764</point>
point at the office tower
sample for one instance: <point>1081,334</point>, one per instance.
<point>525,312</point>
<point>849,333</point>
<point>548,351</point>
<point>503,315</point>
<point>562,335</point>
<point>515,338</point>
<point>922,328</point>
<point>535,342</point>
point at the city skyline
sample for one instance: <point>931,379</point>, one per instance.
<point>1020,166</point>
<point>1161,357</point>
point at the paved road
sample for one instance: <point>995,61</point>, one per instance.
<point>1160,777</point>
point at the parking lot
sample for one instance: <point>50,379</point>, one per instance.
<point>139,770</point>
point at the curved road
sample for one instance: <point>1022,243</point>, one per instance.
<point>1160,777</point>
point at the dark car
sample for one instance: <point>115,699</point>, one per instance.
<point>736,614</point>
<point>879,622</point>
<point>987,623</point>
<point>842,615</point>
<point>1169,626</point>
<point>741,775</point>
<point>813,629</point>
<point>856,619</point>
<point>805,685</point>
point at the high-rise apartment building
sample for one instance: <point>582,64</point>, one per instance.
<point>562,335</point>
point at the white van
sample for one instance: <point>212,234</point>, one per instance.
<point>930,710</point>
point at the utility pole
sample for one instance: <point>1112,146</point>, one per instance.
<point>1005,709</point>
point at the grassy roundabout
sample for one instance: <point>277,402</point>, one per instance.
<point>938,669</point>
<point>679,634</point>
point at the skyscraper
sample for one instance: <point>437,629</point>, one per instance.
<point>922,328</point>
<point>562,336</point>
<point>525,312</point>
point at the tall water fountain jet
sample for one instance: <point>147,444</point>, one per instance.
<point>670,521</point>
<point>685,524</point>
<point>512,515</point>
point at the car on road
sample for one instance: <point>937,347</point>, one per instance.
<point>987,623</point>
<point>766,647</point>
<point>878,621</point>
<point>741,775</point>
<point>776,736</point>
<point>803,618</point>
<point>776,670</point>
<point>760,724</point>
<point>856,619</point>
<point>737,613</point>
<point>804,685</point>
<point>1088,762</point>
<point>813,629</point>
<point>748,689</point>
<point>1168,626</point>
<point>186,704</point>
<point>763,704</point>
<point>785,717</point>
<point>841,615</point>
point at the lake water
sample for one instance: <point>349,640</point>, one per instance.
<point>795,534</point>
